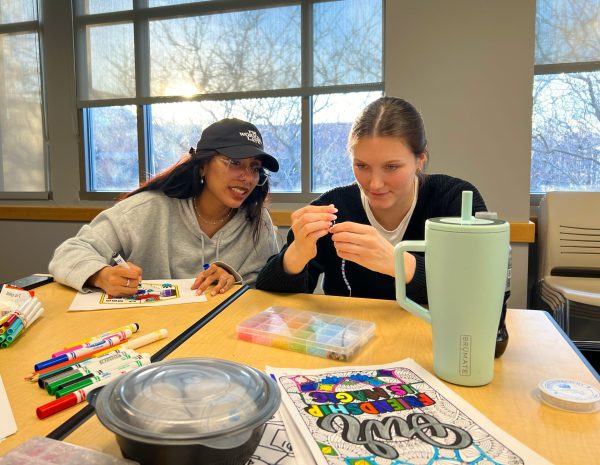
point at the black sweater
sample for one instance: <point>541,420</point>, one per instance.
<point>439,196</point>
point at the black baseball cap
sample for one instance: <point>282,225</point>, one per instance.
<point>236,139</point>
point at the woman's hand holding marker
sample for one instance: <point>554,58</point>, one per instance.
<point>214,274</point>
<point>118,280</point>
<point>309,224</point>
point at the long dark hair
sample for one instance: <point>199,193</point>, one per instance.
<point>391,117</point>
<point>183,180</point>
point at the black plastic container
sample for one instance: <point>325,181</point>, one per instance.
<point>189,411</point>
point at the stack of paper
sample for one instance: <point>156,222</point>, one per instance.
<point>8,425</point>
<point>390,414</point>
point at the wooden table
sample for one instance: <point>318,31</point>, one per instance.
<point>536,350</point>
<point>58,327</point>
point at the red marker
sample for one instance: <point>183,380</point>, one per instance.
<point>58,405</point>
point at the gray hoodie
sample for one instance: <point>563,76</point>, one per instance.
<point>161,235</point>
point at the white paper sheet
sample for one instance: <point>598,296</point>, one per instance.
<point>180,288</point>
<point>8,425</point>
<point>391,413</point>
<point>274,447</point>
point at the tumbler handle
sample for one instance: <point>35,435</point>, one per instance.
<point>403,301</point>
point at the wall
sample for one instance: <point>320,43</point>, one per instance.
<point>467,65</point>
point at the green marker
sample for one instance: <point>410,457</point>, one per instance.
<point>88,372</point>
<point>102,376</point>
<point>52,387</point>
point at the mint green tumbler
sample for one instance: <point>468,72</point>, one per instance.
<point>466,261</point>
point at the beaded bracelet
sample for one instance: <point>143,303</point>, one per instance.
<point>345,278</point>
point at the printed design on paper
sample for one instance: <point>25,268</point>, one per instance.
<point>274,447</point>
<point>389,417</point>
<point>147,293</point>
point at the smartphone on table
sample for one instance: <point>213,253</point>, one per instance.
<point>31,282</point>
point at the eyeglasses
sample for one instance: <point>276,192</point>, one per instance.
<point>236,168</point>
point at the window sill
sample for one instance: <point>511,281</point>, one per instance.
<point>520,232</point>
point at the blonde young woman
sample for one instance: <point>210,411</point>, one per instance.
<point>349,233</point>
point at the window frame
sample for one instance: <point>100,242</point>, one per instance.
<point>139,16</point>
<point>33,26</point>
<point>558,68</point>
<point>555,68</point>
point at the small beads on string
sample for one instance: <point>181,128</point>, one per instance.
<point>345,278</point>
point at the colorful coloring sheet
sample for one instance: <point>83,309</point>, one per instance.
<point>392,414</point>
<point>150,294</point>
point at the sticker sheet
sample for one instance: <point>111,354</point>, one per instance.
<point>392,414</point>
<point>150,293</point>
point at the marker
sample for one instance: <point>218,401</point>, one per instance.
<point>147,339</point>
<point>12,336</point>
<point>103,344</point>
<point>119,260</point>
<point>33,377</point>
<point>101,377</point>
<point>74,398</point>
<point>83,369</point>
<point>99,361</point>
<point>134,327</point>
<point>15,327</point>
<point>9,320</point>
<point>88,373</point>
<point>206,266</point>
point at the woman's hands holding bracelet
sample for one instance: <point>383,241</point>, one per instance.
<point>309,224</point>
<point>362,244</point>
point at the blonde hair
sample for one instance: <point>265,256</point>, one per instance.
<point>390,117</point>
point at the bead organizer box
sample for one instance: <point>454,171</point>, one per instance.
<point>311,333</point>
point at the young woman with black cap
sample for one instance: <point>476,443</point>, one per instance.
<point>203,217</point>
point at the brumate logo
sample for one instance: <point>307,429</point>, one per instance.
<point>464,356</point>
<point>252,136</point>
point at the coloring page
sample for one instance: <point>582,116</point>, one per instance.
<point>274,447</point>
<point>150,293</point>
<point>391,414</point>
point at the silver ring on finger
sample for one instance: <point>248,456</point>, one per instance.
<point>127,283</point>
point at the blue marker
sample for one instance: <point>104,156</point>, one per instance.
<point>206,266</point>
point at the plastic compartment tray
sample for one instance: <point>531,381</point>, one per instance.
<point>311,333</point>
<point>44,451</point>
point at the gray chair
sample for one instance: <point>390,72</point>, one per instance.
<point>569,263</point>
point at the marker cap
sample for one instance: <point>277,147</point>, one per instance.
<point>56,406</point>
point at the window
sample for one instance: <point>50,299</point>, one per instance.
<point>151,77</point>
<point>566,108</point>
<point>22,157</point>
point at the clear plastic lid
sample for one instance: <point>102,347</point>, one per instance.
<point>189,401</point>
